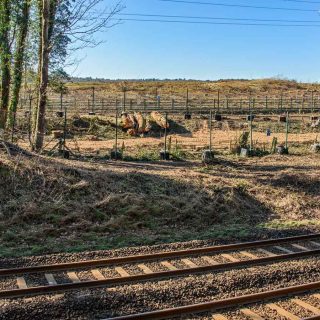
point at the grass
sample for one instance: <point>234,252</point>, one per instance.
<point>290,224</point>
<point>52,205</point>
<point>241,88</point>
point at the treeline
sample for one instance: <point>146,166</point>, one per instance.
<point>37,38</point>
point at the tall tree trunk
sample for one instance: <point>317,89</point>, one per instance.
<point>5,11</point>
<point>44,76</point>
<point>18,61</point>
<point>35,106</point>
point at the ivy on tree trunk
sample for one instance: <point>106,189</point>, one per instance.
<point>19,61</point>
<point>5,11</point>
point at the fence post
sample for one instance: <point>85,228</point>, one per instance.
<point>61,101</point>
<point>124,98</point>
<point>287,130</point>
<point>93,100</point>
<point>172,104</point>
<point>266,102</point>
<point>165,137</point>
<point>187,101</point>
<point>116,142</point>
<point>251,137</point>
<point>158,102</point>
<point>30,117</point>
<point>210,128</point>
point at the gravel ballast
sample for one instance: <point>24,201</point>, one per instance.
<point>127,299</point>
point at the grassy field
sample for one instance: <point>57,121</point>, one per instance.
<point>52,205</point>
<point>239,88</point>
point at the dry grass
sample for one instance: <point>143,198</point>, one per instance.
<point>50,205</point>
<point>239,88</point>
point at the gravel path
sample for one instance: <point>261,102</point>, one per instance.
<point>127,299</point>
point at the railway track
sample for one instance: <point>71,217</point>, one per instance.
<point>247,306</point>
<point>47,279</point>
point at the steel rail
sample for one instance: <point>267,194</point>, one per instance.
<point>221,304</point>
<point>153,256</point>
<point>40,290</point>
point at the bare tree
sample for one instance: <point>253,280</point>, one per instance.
<point>66,24</point>
<point>44,73</point>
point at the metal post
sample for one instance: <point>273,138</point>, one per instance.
<point>93,100</point>
<point>165,137</point>
<point>61,101</point>
<point>116,151</point>
<point>74,103</point>
<point>287,130</point>
<point>30,116</point>
<point>157,102</point>
<point>64,129</point>
<point>251,138</point>
<point>172,104</point>
<point>312,102</point>
<point>187,101</point>
<point>210,128</point>
<point>124,98</point>
<point>218,100</point>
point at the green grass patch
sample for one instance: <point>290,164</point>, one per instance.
<point>290,224</point>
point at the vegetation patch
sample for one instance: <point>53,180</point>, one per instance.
<point>51,205</point>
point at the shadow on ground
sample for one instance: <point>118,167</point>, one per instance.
<point>49,206</point>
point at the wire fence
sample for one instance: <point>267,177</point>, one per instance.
<point>99,104</point>
<point>153,135</point>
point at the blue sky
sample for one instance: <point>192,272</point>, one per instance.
<point>160,50</point>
